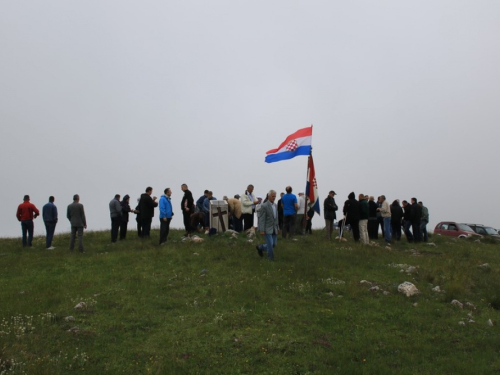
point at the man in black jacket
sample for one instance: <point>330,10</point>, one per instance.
<point>329,207</point>
<point>416,217</point>
<point>147,209</point>
<point>372,219</point>
<point>407,221</point>
<point>351,212</point>
<point>187,207</point>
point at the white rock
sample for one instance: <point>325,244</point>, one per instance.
<point>457,303</point>
<point>69,319</point>
<point>198,239</point>
<point>431,244</point>
<point>415,304</point>
<point>250,241</point>
<point>374,289</point>
<point>470,305</point>
<point>80,305</point>
<point>477,241</point>
<point>230,231</point>
<point>408,289</point>
<point>471,321</point>
<point>436,289</point>
<point>485,266</point>
<point>330,294</point>
<point>490,323</point>
<point>461,323</point>
<point>386,293</point>
<point>411,269</point>
<point>74,330</point>
<point>365,282</point>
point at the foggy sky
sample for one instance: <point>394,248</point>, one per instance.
<point>106,97</point>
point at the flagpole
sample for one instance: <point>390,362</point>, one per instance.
<point>304,222</point>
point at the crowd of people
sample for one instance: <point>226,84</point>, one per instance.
<point>364,217</point>
<point>291,215</point>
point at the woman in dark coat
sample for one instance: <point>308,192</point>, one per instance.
<point>396,219</point>
<point>124,219</point>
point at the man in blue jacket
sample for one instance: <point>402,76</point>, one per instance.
<point>165,215</point>
<point>49,214</point>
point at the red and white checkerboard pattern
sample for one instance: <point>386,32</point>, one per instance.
<point>292,145</point>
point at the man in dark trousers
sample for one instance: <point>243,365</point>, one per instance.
<point>49,214</point>
<point>351,212</point>
<point>26,212</point>
<point>280,211</point>
<point>407,221</point>
<point>416,217</point>
<point>329,207</point>
<point>115,212</point>
<point>147,206</point>
<point>76,216</point>
<point>187,207</point>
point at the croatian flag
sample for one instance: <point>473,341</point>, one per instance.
<point>298,143</point>
<point>312,186</point>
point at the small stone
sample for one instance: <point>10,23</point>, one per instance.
<point>457,303</point>
<point>386,293</point>
<point>330,294</point>
<point>415,304</point>
<point>436,289</point>
<point>70,318</point>
<point>490,323</point>
<point>411,269</point>
<point>471,321</point>
<point>461,323</point>
<point>374,289</point>
<point>431,244</point>
<point>73,330</point>
<point>81,305</point>
<point>365,282</point>
<point>250,241</point>
<point>485,266</point>
<point>477,241</point>
<point>470,305</point>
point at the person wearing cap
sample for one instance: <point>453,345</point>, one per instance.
<point>234,206</point>
<point>329,207</point>
<point>115,211</point>
<point>26,213</point>
<point>248,203</point>
<point>49,215</point>
<point>124,218</point>
<point>299,220</point>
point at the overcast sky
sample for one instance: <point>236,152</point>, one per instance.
<point>105,97</point>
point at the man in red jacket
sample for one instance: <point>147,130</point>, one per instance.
<point>26,212</point>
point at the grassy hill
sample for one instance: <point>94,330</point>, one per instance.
<point>217,308</point>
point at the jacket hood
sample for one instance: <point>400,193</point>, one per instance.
<point>351,196</point>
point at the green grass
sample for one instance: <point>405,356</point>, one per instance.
<point>217,308</point>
